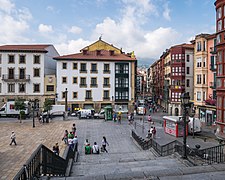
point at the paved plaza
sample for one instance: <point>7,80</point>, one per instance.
<point>28,138</point>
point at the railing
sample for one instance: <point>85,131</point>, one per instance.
<point>145,144</point>
<point>13,77</point>
<point>43,162</point>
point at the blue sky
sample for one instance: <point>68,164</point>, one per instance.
<point>147,27</point>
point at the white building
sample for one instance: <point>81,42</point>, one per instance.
<point>23,69</point>
<point>96,78</point>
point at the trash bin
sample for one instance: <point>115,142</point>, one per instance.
<point>108,113</point>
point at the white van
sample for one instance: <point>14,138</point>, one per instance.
<point>196,123</point>
<point>85,113</point>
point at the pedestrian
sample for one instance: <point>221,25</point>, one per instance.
<point>114,116</point>
<point>75,142</point>
<point>56,149</point>
<point>65,137</point>
<point>129,118</point>
<point>95,148</point>
<point>119,117</point>
<point>151,130</point>
<point>88,149</point>
<point>149,118</point>
<point>13,138</point>
<point>86,142</point>
<point>70,135</point>
<point>154,132</point>
<point>74,129</point>
<point>104,143</point>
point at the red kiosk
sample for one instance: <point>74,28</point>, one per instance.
<point>173,125</point>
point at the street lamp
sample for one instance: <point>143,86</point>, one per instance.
<point>66,105</point>
<point>185,98</point>
<point>33,107</point>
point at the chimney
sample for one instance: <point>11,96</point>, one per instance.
<point>84,52</point>
<point>111,52</point>
<point>98,52</point>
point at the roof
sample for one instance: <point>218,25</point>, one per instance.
<point>190,46</point>
<point>25,48</point>
<point>93,55</point>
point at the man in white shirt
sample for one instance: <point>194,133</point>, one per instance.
<point>95,148</point>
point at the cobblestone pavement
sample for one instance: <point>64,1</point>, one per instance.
<point>28,138</point>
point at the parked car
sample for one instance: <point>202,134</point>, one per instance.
<point>100,115</point>
<point>85,113</point>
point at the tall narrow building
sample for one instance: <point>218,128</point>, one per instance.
<point>220,62</point>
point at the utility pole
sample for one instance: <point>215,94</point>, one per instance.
<point>66,105</point>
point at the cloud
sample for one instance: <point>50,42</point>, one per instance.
<point>6,6</point>
<point>166,12</point>
<point>14,23</point>
<point>50,8</point>
<point>75,30</point>
<point>43,28</point>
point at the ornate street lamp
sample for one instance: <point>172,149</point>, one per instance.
<point>185,103</point>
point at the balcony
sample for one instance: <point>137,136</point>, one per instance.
<point>106,71</point>
<point>213,85</point>
<point>83,85</point>
<point>13,78</point>
<point>213,50</point>
<point>177,87</point>
<point>94,71</point>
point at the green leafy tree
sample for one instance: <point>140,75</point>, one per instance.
<point>47,107</point>
<point>20,106</point>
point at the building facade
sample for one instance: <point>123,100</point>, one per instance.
<point>23,69</point>
<point>220,63</point>
<point>98,76</point>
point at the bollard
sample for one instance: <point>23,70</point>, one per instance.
<point>143,128</point>
<point>135,125</point>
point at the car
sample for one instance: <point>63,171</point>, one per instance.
<point>100,115</point>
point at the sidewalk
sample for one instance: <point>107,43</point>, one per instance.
<point>28,138</point>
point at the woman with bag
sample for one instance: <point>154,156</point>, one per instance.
<point>104,143</point>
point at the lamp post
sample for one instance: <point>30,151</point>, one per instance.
<point>66,105</point>
<point>33,107</point>
<point>185,104</point>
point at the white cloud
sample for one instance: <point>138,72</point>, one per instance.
<point>6,5</point>
<point>72,46</point>
<point>14,23</point>
<point>75,30</point>
<point>50,8</point>
<point>166,12</point>
<point>43,28</point>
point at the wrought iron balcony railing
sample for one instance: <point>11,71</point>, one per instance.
<point>15,77</point>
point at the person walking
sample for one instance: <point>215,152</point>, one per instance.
<point>154,132</point>
<point>65,137</point>
<point>104,143</point>
<point>13,138</point>
<point>74,129</point>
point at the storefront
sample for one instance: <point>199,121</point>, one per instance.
<point>207,114</point>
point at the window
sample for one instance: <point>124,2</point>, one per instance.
<point>50,88</point>
<point>74,95</point>
<point>94,68</point>
<point>36,88</point>
<point>199,48</point>
<point>220,69</point>
<point>122,95</point>
<point>83,81</point>
<point>22,59</point>
<point>204,95</point>
<point>11,73</point>
<point>219,25</point>
<point>83,67</point>
<point>199,62</point>
<point>204,45</point>
<point>219,13</point>
<point>22,88</point>
<point>64,65</point>
<point>106,82</point>
<point>93,82</point>
<point>36,72</point>
<point>188,70</point>
<point>63,95</point>
<point>36,59</point>
<point>64,80</point>
<point>11,59</point>
<point>199,78</point>
<point>22,73</point>
<point>122,82</point>
<point>11,88</point>
<point>74,80</point>
<point>106,68</point>
<point>122,68</point>
<point>219,58</point>
<point>218,83</point>
<point>188,83</point>
<point>204,79</point>
<point>88,94</point>
<point>106,94</point>
<point>74,65</point>
<point>198,96</point>
<point>188,58</point>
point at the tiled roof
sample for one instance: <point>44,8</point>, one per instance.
<point>93,55</point>
<point>35,47</point>
<point>184,45</point>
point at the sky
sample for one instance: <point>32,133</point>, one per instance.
<point>147,27</point>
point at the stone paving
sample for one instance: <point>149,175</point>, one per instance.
<point>28,138</point>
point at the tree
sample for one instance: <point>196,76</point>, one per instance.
<point>47,108</point>
<point>20,106</point>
